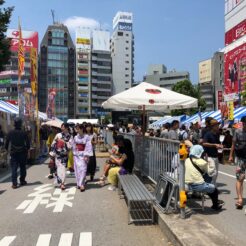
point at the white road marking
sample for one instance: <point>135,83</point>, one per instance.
<point>24,204</point>
<point>6,241</point>
<point>66,239</point>
<point>229,175</point>
<point>44,240</point>
<point>58,200</point>
<point>85,239</point>
<point>226,174</point>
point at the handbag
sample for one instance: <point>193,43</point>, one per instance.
<point>51,163</point>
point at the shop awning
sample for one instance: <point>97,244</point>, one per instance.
<point>13,109</point>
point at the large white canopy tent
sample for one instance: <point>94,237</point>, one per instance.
<point>149,97</point>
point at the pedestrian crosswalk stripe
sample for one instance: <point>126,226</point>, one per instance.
<point>85,239</point>
<point>44,240</point>
<point>66,239</point>
<point>6,241</point>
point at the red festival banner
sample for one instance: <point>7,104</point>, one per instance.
<point>235,70</point>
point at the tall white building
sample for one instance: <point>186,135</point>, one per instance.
<point>93,72</point>
<point>122,52</point>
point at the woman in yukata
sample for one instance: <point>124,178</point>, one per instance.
<point>92,164</point>
<point>59,150</point>
<point>82,150</point>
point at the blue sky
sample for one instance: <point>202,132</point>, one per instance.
<point>176,33</point>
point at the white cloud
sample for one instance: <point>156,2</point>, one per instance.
<point>74,22</point>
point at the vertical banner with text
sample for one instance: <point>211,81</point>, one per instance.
<point>34,81</point>
<point>21,67</point>
<point>231,110</point>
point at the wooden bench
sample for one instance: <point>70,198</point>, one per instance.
<point>139,199</point>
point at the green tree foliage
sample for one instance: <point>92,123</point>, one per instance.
<point>187,88</point>
<point>5,14</point>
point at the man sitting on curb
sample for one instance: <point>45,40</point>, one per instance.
<point>197,176</point>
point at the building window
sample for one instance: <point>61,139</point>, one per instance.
<point>127,55</point>
<point>127,48</point>
<point>127,68</point>
<point>120,33</point>
<point>127,61</point>
<point>127,82</point>
<point>127,41</point>
<point>126,75</point>
<point>127,34</point>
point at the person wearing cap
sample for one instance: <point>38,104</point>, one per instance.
<point>197,175</point>
<point>239,148</point>
<point>211,144</point>
<point>20,144</point>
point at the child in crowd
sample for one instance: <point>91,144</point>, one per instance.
<point>110,163</point>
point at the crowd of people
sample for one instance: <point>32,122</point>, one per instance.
<point>207,147</point>
<point>73,149</point>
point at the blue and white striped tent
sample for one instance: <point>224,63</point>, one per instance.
<point>159,123</point>
<point>238,114</point>
<point>8,107</point>
<point>13,109</point>
<point>195,117</point>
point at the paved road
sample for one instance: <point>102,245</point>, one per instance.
<point>230,221</point>
<point>39,214</point>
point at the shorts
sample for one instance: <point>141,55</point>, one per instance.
<point>241,168</point>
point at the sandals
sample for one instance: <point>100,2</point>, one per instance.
<point>63,187</point>
<point>82,188</point>
<point>239,205</point>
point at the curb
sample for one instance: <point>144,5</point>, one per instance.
<point>193,231</point>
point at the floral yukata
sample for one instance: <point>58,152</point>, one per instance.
<point>60,148</point>
<point>82,150</point>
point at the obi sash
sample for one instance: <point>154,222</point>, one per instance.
<point>60,144</point>
<point>80,147</point>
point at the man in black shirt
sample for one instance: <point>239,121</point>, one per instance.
<point>20,145</point>
<point>212,144</point>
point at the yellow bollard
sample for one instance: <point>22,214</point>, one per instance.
<point>182,199</point>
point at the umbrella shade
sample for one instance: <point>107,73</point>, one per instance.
<point>152,97</point>
<point>55,123</point>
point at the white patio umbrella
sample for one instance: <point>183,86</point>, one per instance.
<point>149,97</point>
<point>55,123</point>
<point>146,96</point>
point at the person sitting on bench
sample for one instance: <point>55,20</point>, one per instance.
<point>197,176</point>
<point>115,154</point>
<point>124,164</point>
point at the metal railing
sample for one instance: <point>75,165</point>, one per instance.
<point>153,156</point>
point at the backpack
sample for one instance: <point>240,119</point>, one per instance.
<point>181,136</point>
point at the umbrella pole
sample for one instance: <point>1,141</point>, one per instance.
<point>144,123</point>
